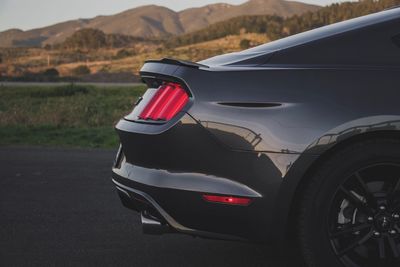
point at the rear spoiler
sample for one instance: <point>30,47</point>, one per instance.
<point>178,62</point>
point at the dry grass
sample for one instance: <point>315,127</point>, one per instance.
<point>36,60</point>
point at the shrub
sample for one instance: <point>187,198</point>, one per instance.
<point>68,90</point>
<point>52,72</point>
<point>81,70</point>
<point>47,47</point>
<point>124,53</point>
<point>245,44</point>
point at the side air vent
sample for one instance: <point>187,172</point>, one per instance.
<point>396,40</point>
<point>250,104</point>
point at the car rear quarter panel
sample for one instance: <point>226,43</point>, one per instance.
<point>302,113</point>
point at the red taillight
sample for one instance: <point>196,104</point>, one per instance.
<point>243,201</point>
<point>169,99</point>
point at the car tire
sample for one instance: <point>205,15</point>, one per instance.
<point>321,190</point>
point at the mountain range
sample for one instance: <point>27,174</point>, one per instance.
<point>152,21</point>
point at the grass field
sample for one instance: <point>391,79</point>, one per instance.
<point>68,116</point>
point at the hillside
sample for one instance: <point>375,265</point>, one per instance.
<point>276,27</point>
<point>103,54</point>
<point>197,18</point>
<point>152,21</point>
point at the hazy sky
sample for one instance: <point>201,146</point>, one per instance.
<point>28,14</point>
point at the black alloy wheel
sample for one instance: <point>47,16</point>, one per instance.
<point>364,221</point>
<point>349,214</point>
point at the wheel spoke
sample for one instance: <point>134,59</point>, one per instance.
<point>356,243</point>
<point>355,201</point>
<point>395,190</point>
<point>368,194</point>
<point>397,186</point>
<point>394,247</point>
<point>351,229</point>
<point>381,247</point>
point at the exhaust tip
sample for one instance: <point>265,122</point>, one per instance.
<point>152,225</point>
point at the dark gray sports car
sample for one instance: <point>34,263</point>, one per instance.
<point>295,142</point>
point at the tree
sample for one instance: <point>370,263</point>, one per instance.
<point>86,39</point>
<point>89,39</point>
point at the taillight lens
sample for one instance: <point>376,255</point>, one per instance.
<point>241,201</point>
<point>169,99</point>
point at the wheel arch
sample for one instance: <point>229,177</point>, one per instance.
<point>312,168</point>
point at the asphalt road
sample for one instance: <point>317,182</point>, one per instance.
<point>98,84</point>
<point>59,208</point>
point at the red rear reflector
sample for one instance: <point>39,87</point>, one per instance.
<point>169,99</point>
<point>228,200</point>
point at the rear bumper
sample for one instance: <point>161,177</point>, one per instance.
<point>167,172</point>
<point>180,206</point>
<point>140,201</point>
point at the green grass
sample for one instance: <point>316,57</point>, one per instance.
<point>68,116</point>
